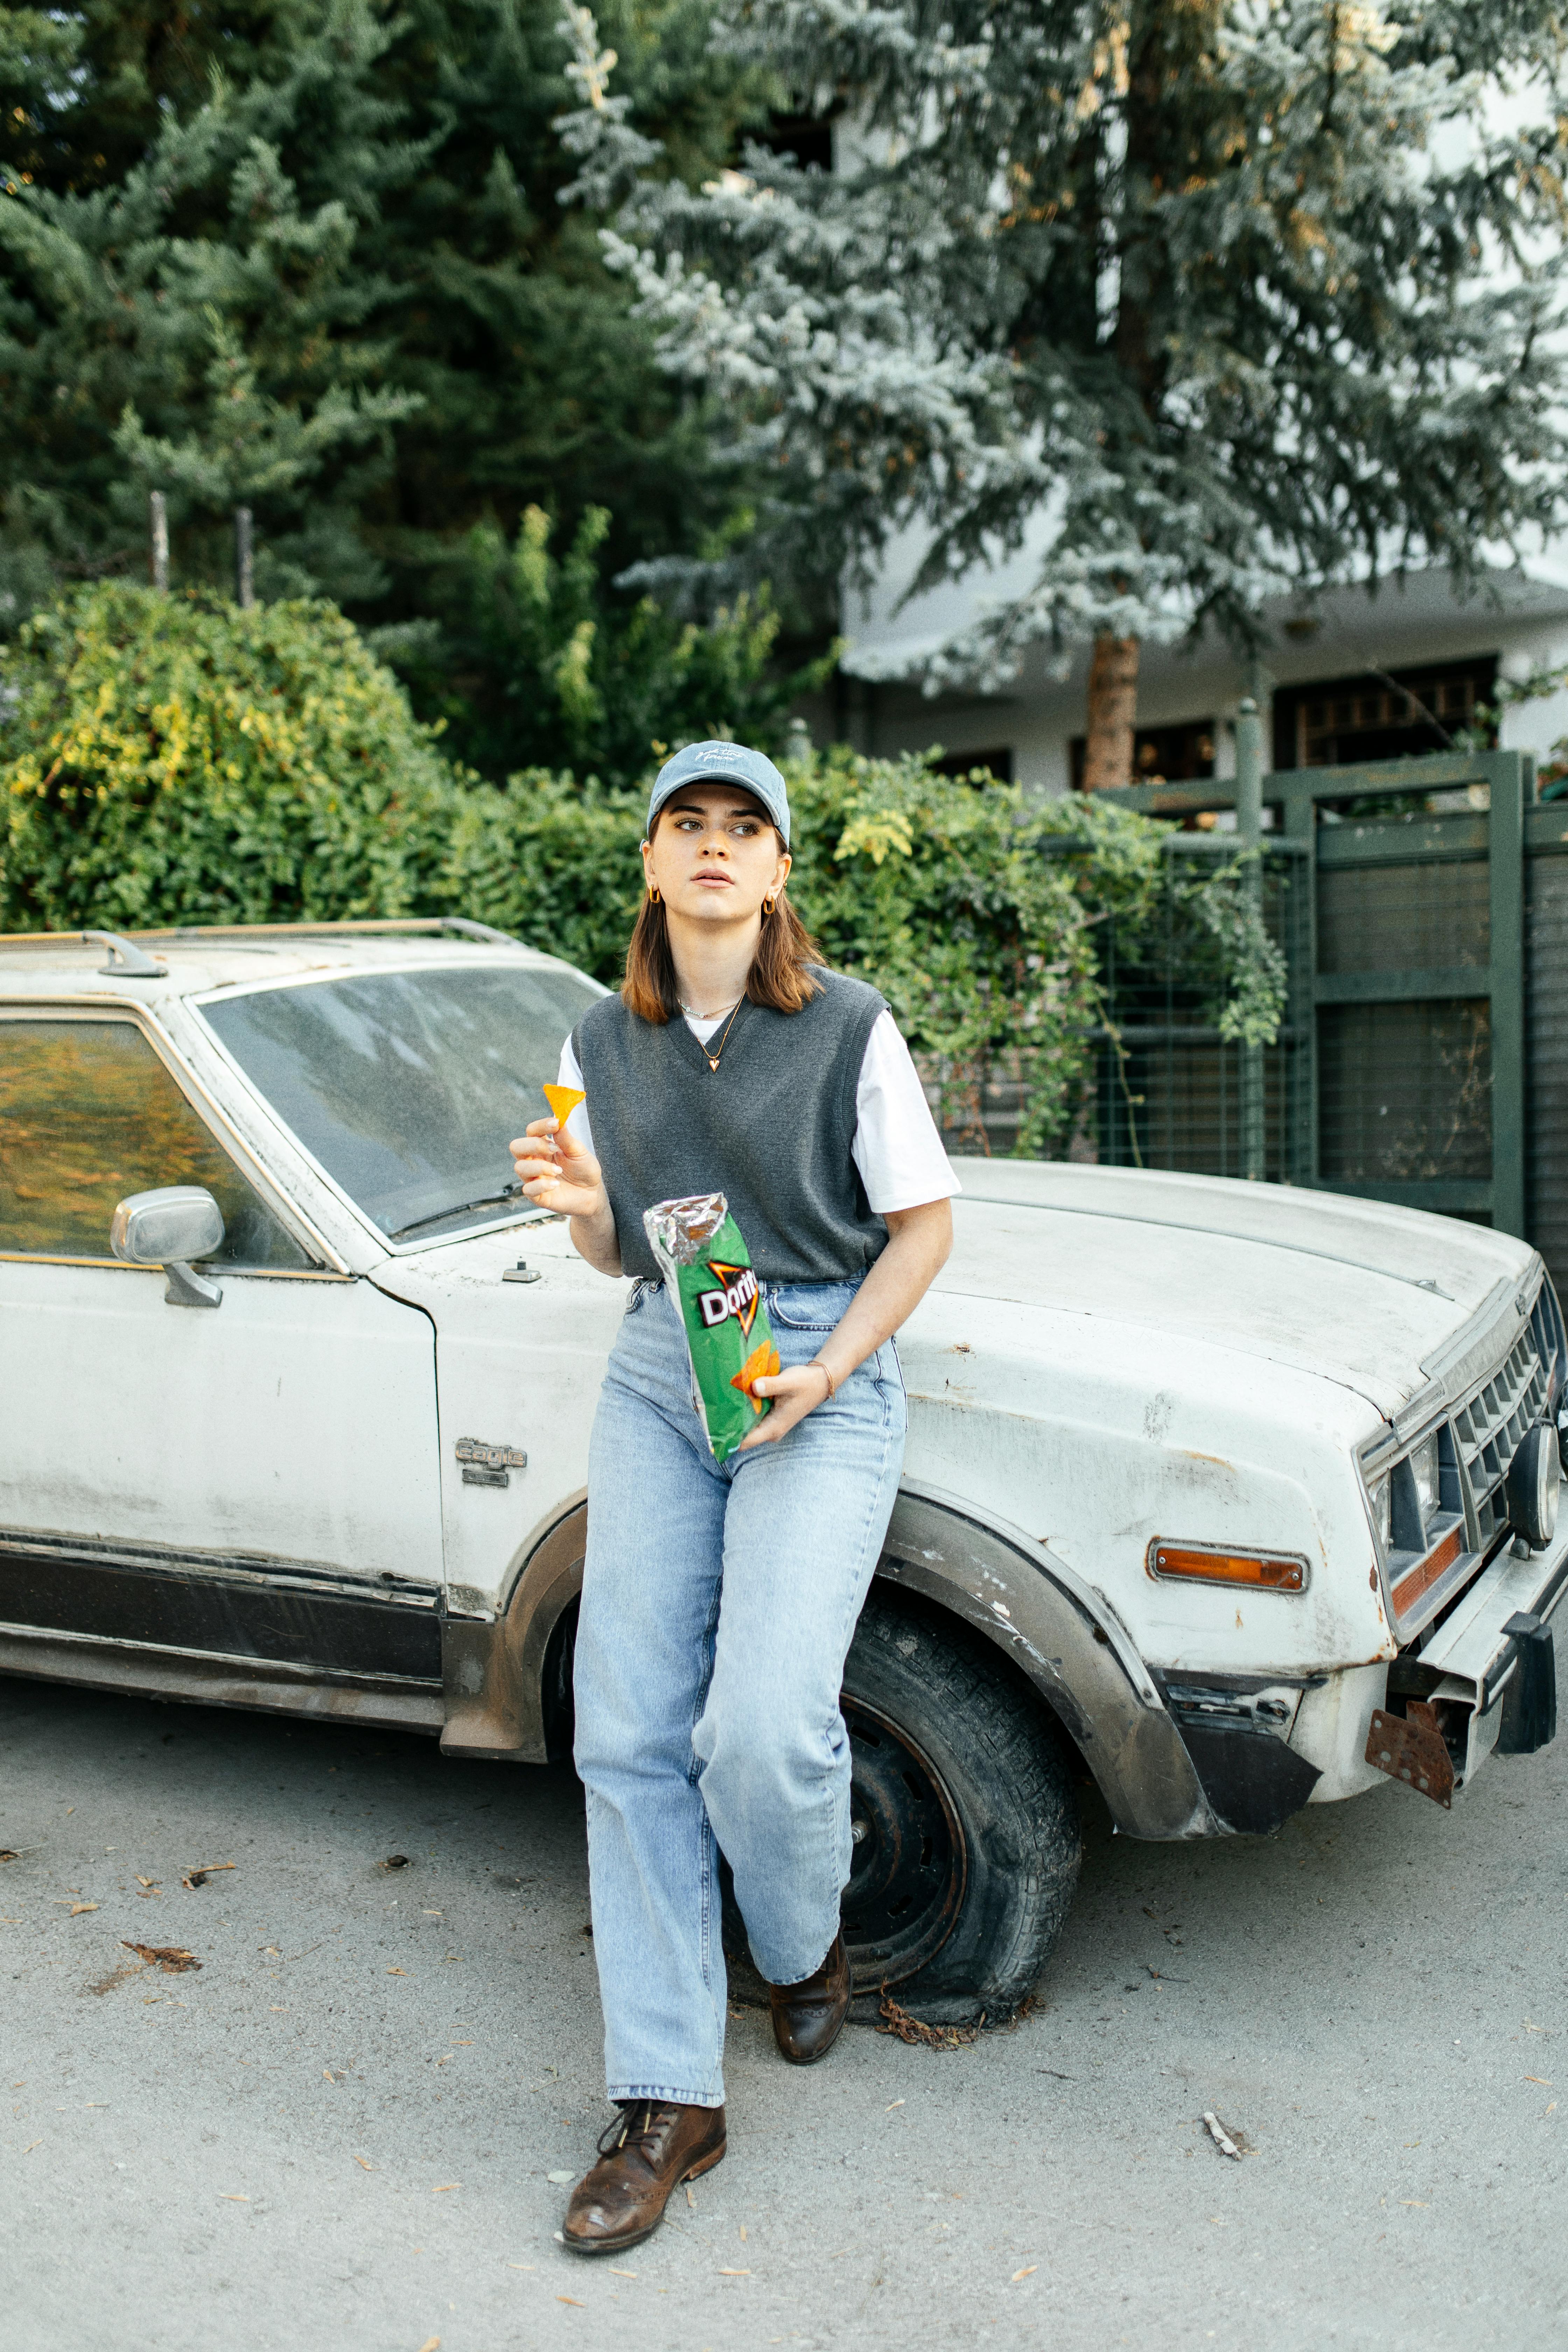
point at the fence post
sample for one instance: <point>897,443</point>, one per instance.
<point>1249,837</point>
<point>1505,858</point>
<point>158,530</point>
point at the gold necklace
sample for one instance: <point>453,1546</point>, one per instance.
<point>712,1059</point>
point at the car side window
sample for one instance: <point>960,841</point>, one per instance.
<point>87,1114</point>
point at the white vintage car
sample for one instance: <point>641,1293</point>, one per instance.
<point>1235,1500</point>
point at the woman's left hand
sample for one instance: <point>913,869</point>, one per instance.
<point>795,1394</point>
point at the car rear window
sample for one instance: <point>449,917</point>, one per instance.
<point>407,1086</point>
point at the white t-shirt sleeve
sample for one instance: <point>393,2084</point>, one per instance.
<point>896,1146</point>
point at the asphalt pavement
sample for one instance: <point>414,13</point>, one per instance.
<point>351,2127</point>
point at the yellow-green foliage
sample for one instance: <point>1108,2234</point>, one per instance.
<point>175,760</point>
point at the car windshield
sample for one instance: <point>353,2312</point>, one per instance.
<point>408,1086</point>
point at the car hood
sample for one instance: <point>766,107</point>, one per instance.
<point>1382,1300</point>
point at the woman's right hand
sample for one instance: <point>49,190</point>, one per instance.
<point>556,1174</point>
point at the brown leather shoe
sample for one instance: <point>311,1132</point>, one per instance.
<point>807,2016</point>
<point>649,2149</point>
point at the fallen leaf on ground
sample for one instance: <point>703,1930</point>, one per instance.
<point>572,2301</point>
<point>734,2273</point>
<point>528,2266</point>
<point>126,1974</point>
<point>77,1908</point>
<point>363,2164</point>
<point>1541,2079</point>
<point>631,2274</point>
<point>442,2187</point>
<point>8,1853</point>
<point>1028,2271</point>
<point>228,2197</point>
<point>172,1959</point>
<point>397,1972</point>
<point>897,2020</point>
<point>560,2178</point>
<point>1420,2201</point>
<point>32,2144</point>
<point>194,1878</point>
<point>431,2344</point>
<point>689,2198</point>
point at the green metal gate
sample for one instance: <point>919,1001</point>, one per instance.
<point>1428,954</point>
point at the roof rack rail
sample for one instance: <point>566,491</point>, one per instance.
<point>133,959</point>
<point>361,926</point>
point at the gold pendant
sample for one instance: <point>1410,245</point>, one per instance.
<point>712,1062</point>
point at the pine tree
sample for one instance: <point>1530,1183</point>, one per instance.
<point>1239,295</point>
<point>310,256</point>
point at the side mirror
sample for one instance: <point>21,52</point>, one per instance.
<point>168,1228</point>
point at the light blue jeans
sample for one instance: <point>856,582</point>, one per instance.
<point>718,1605</point>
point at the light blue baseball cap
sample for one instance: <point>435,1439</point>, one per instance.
<point>724,763</point>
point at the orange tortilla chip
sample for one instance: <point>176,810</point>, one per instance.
<point>563,1101</point>
<point>761,1364</point>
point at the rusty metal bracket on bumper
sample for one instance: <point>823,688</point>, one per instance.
<point>1484,1684</point>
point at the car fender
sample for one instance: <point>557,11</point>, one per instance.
<point>1061,1632</point>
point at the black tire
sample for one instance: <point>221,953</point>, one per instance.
<point>967,1844</point>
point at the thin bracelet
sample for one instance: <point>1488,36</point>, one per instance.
<point>832,1383</point>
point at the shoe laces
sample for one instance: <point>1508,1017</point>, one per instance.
<point>636,2126</point>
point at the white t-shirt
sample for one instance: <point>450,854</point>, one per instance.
<point>896,1147</point>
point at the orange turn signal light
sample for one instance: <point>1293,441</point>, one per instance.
<point>1268,1571</point>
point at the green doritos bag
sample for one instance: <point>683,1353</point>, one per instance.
<point>728,1339</point>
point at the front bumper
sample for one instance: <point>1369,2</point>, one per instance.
<point>1488,1674</point>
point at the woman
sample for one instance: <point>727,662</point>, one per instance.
<point>719,1599</point>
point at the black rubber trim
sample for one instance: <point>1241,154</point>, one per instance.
<point>244,1615</point>
<point>1252,1781</point>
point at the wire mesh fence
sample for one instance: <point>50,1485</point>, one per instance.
<point>1168,1089</point>
<point>1391,1076</point>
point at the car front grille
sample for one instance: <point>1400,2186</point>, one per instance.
<point>1489,1425</point>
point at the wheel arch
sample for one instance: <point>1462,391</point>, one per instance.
<point>1061,1634</point>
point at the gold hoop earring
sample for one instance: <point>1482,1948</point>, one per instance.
<point>653,894</point>
<point>769,904</point>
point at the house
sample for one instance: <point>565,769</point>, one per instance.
<point>1352,677</point>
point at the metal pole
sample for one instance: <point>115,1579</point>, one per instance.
<point>1249,838</point>
<point>159,531</point>
<point>244,583</point>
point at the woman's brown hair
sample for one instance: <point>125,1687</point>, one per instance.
<point>781,977</point>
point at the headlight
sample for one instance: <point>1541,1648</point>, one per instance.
<point>1533,1478</point>
<point>1423,1470</point>
<point>1379,1496</point>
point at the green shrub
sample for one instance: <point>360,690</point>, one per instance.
<point>175,760</point>
<point>554,862</point>
<point>975,909</point>
<point>172,760</point>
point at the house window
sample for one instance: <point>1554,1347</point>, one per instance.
<point>959,765</point>
<point>1346,721</point>
<point>1161,755</point>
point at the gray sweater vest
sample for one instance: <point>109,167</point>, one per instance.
<point>771,1129</point>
